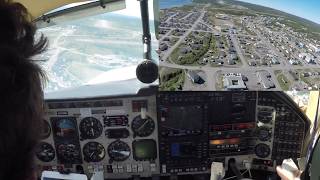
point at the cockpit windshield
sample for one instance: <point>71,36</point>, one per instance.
<point>95,50</point>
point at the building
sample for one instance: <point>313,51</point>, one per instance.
<point>314,48</point>
<point>163,47</point>
<point>307,57</point>
<point>265,79</point>
<point>223,17</point>
<point>231,62</point>
<point>293,62</point>
<point>233,57</point>
<point>252,63</point>
<point>275,61</point>
<point>166,39</point>
<point>185,50</point>
<point>232,50</point>
<point>195,46</point>
<point>300,45</point>
<point>217,34</point>
<point>222,54</point>
<point>294,75</point>
<point>234,82</point>
<point>195,78</point>
<point>306,74</point>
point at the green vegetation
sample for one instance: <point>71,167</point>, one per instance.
<point>161,13</point>
<point>238,61</point>
<point>237,23</point>
<point>224,40</point>
<point>284,82</point>
<point>235,12</point>
<point>276,72</point>
<point>316,80</point>
<point>213,46</point>
<point>191,58</point>
<point>219,83</point>
<point>173,81</point>
<point>249,31</point>
<point>187,7</point>
<point>184,8</point>
<point>304,79</point>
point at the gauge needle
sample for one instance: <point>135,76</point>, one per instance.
<point>125,153</point>
<point>142,125</point>
<point>92,132</point>
<point>91,154</point>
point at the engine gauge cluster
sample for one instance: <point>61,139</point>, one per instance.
<point>93,152</point>
<point>264,134</point>
<point>45,152</point>
<point>69,153</point>
<point>262,150</point>
<point>143,127</point>
<point>119,151</point>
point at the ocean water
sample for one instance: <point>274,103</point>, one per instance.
<point>173,3</point>
<point>81,50</point>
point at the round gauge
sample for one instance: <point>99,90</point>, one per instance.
<point>265,115</point>
<point>265,119</point>
<point>262,150</point>
<point>264,134</point>
<point>119,151</point>
<point>90,128</point>
<point>68,153</point>
<point>45,152</point>
<point>142,127</point>
<point>93,152</point>
<point>45,129</point>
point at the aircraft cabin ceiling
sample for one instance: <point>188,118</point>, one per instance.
<point>40,7</point>
<point>37,8</point>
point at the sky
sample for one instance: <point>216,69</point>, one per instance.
<point>308,9</point>
<point>133,9</point>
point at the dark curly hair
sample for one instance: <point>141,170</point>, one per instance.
<point>21,94</point>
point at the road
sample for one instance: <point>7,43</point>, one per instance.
<point>169,51</point>
<point>239,51</point>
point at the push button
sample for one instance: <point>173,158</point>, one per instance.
<point>129,169</point>
<point>134,168</point>
<point>140,168</point>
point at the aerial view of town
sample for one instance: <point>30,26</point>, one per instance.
<point>230,45</point>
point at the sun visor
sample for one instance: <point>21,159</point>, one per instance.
<point>40,7</point>
<point>47,13</point>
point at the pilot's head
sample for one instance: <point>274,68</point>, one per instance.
<point>21,95</point>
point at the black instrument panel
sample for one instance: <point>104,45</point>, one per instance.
<point>182,132</point>
<point>197,128</point>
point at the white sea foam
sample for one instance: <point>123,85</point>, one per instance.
<point>103,24</point>
<point>120,74</point>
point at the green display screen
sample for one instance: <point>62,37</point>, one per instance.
<point>144,149</point>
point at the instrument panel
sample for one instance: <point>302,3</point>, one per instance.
<point>101,134</point>
<point>170,133</point>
